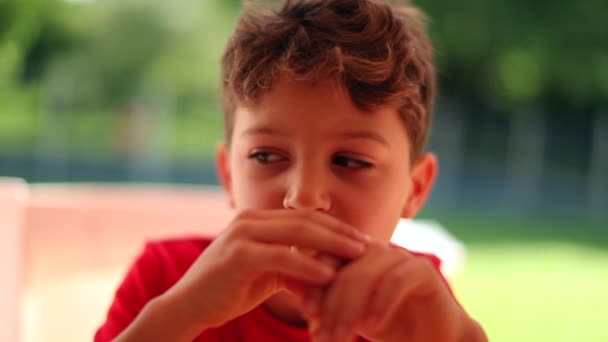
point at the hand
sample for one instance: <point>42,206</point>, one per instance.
<point>386,295</point>
<point>252,260</point>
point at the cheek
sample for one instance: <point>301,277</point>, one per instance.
<point>375,210</point>
<point>253,193</point>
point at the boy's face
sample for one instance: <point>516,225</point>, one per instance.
<point>308,146</point>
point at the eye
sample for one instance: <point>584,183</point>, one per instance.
<point>265,157</point>
<point>351,163</point>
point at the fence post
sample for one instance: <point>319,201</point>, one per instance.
<point>597,183</point>
<point>525,158</point>
<point>448,140</point>
<point>52,148</point>
<point>151,127</point>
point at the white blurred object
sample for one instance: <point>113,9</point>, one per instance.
<point>430,237</point>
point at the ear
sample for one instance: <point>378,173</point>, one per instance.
<point>222,165</point>
<point>423,176</point>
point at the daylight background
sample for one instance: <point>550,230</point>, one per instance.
<point>127,91</point>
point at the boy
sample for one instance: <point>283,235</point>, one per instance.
<point>327,106</point>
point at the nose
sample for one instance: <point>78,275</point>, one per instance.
<point>307,188</point>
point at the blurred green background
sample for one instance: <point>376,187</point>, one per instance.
<point>127,91</point>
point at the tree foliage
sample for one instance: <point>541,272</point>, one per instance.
<point>505,54</point>
<point>514,53</point>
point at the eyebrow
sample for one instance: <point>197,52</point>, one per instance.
<point>261,130</point>
<point>362,134</point>
<point>365,135</point>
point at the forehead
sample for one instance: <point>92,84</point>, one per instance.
<point>319,111</point>
<point>320,102</point>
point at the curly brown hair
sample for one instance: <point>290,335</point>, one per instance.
<point>379,51</point>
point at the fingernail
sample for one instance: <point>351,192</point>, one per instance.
<point>357,247</point>
<point>362,236</point>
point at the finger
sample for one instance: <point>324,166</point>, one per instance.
<point>331,260</point>
<point>279,259</point>
<point>302,233</point>
<point>298,288</point>
<point>320,218</point>
<point>337,225</point>
<point>307,294</point>
<point>395,287</point>
<point>348,295</point>
<point>311,305</point>
<point>314,297</point>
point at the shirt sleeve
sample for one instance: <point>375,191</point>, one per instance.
<point>141,284</point>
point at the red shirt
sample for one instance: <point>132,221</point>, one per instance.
<point>160,266</point>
